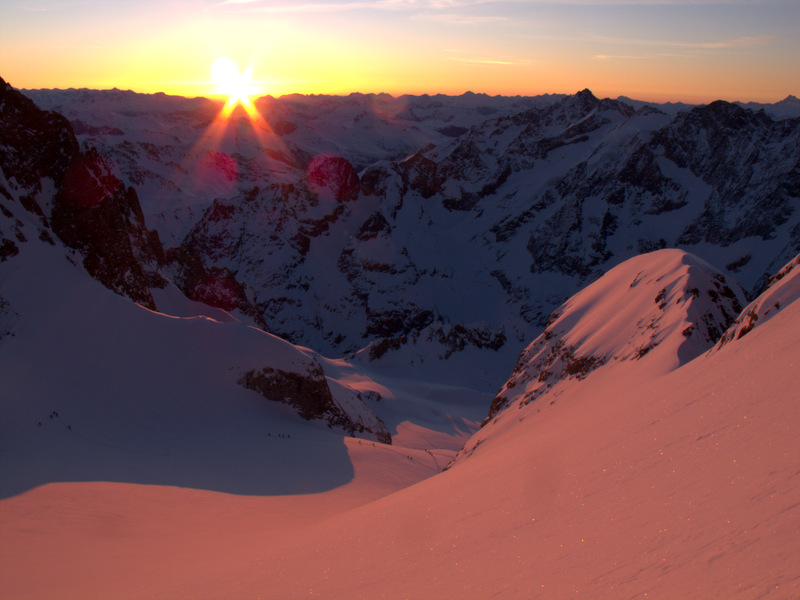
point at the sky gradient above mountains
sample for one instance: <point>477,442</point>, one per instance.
<point>660,50</point>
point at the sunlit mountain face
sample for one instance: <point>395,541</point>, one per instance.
<point>499,346</point>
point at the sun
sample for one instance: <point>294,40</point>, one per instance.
<point>236,86</point>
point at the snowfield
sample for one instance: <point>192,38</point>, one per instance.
<point>630,482</point>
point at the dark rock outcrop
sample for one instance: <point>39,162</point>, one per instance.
<point>782,289</point>
<point>92,211</point>
<point>310,395</point>
<point>333,178</point>
<point>95,213</point>
<point>213,286</point>
<point>34,144</point>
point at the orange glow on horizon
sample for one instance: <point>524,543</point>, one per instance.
<point>398,48</point>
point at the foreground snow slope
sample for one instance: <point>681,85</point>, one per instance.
<point>682,484</point>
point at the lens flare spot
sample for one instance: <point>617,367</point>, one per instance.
<point>217,171</point>
<point>333,178</point>
<point>89,181</point>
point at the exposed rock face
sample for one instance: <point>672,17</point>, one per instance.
<point>333,178</point>
<point>737,152</point>
<point>213,286</point>
<point>91,210</point>
<point>95,213</point>
<point>419,174</point>
<point>309,393</point>
<point>23,128</point>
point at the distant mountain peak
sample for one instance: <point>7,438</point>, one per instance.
<point>790,100</point>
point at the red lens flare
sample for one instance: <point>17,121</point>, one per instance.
<point>89,182</point>
<point>333,178</point>
<point>217,171</point>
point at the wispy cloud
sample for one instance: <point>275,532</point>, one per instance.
<point>299,7</point>
<point>489,61</point>
<point>741,42</point>
<point>457,19</point>
<point>737,43</point>
<point>680,49</point>
<point>619,57</point>
<point>413,6</point>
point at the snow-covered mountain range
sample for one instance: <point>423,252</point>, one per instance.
<point>248,306</point>
<point>522,201</point>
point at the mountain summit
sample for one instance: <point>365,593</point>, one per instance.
<point>664,309</point>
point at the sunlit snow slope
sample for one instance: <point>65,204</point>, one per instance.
<point>660,309</point>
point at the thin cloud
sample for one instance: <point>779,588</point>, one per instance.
<point>460,19</point>
<point>687,47</point>
<point>419,6</point>
<point>742,42</point>
<point>618,57</point>
<point>264,7</point>
<point>487,61</point>
<point>739,42</point>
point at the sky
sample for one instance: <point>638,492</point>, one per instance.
<point>656,50</point>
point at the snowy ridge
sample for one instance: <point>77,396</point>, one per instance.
<point>682,485</point>
<point>782,289</point>
<point>663,308</point>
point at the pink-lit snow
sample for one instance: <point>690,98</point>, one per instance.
<point>679,483</point>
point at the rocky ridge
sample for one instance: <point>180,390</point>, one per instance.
<point>782,289</point>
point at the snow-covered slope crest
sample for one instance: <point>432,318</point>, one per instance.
<point>782,289</point>
<point>94,387</point>
<point>665,307</point>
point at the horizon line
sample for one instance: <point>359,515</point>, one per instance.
<point>219,98</point>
